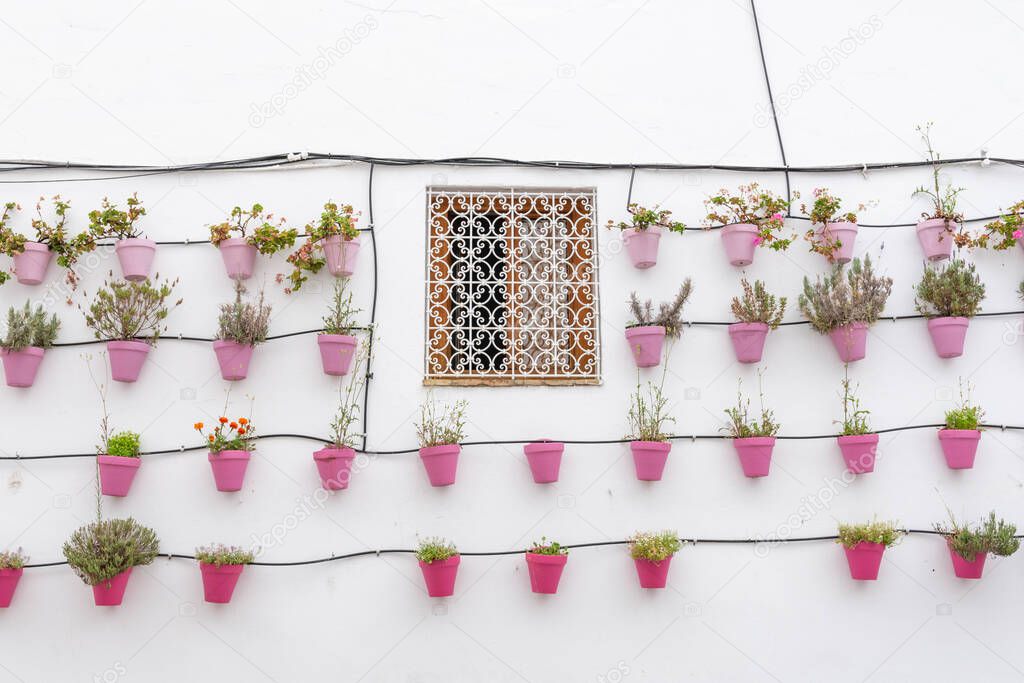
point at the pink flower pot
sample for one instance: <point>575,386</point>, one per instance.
<point>20,367</point>
<point>748,341</point>
<point>233,359</point>
<point>545,571</point>
<point>959,446</point>
<point>545,458</point>
<point>441,463</point>
<point>864,560</point>
<point>334,466</point>
<point>649,458</point>
<point>851,341</point>
<point>843,232</point>
<point>965,569</point>
<point>652,574</point>
<point>336,353</point>
<point>239,257</point>
<point>755,454</point>
<point>859,452</point>
<point>229,469</point>
<point>936,238</point>
<point>341,255</point>
<point>30,265</point>
<point>948,335</point>
<point>645,341</point>
<point>738,239</point>
<point>126,359</point>
<point>110,593</point>
<point>642,245</point>
<point>440,576</point>
<point>219,582</point>
<point>136,257</point>
<point>8,583</point>
<point>117,474</point>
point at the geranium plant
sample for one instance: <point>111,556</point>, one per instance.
<point>641,218</point>
<point>754,206</point>
<point>757,305</point>
<point>53,235</point>
<point>11,243</point>
<point>109,221</point>
<point>1004,232</point>
<point>125,311</point>
<point>310,258</point>
<point>824,237</point>
<point>256,227</point>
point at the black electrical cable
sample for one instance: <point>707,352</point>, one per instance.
<point>373,311</point>
<point>629,195</point>
<point>771,100</point>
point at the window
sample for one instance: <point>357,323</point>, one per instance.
<point>511,286</point>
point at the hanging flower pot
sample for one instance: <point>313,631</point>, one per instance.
<point>341,254</point>
<point>740,239</point>
<point>748,341</point>
<point>646,342</point>
<point>948,335</point>
<point>649,458</point>
<point>936,238</point>
<point>229,469</point>
<point>864,559</point>
<point>850,341</point>
<point>652,574</point>
<point>545,458</point>
<point>960,446</point>
<point>652,554</point>
<point>334,466</point>
<point>642,246</point>
<point>219,581</point>
<point>755,454</point>
<point>117,474</point>
<point>441,463</point>
<point>336,353</point>
<point>9,577</point>
<point>126,359</point>
<point>967,569</point>
<point>439,576</point>
<point>843,233</point>
<point>110,593</point>
<point>136,257</point>
<point>20,367</point>
<point>545,571</point>
<point>30,265</point>
<point>239,257</point>
<point>233,358</point>
<point>859,452</point>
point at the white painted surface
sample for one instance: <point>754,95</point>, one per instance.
<point>161,83</point>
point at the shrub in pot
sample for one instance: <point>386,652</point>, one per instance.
<point>104,553</point>
<point>643,232</point>
<point>1004,232</point>
<point>545,562</point>
<point>752,439</point>
<point>652,553</point>
<point>960,437</point>
<point>864,545</point>
<point>939,228</point>
<point>439,562</point>
<point>646,333</point>
<point>221,566</point>
<point>648,415</point>
<point>757,312</point>
<point>241,325</point>
<point>334,460</point>
<point>332,241</point>
<point>545,459</point>
<point>118,463</point>
<point>844,304</point>
<point>440,429</point>
<point>256,233</point>
<point>858,444</point>
<point>134,252</point>
<point>32,258</point>
<point>969,545</point>
<point>29,334</point>
<point>832,232</point>
<point>949,296</point>
<point>12,566</point>
<point>130,317</point>
<point>230,445</point>
<point>337,342</point>
<point>753,217</point>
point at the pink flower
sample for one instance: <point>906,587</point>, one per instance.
<point>758,240</point>
<point>1017,234</point>
<point>777,216</point>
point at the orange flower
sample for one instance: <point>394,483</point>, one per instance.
<point>211,438</point>
<point>242,421</point>
<point>198,426</point>
<point>223,420</point>
<point>241,430</point>
<point>233,425</point>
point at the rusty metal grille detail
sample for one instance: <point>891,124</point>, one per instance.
<point>511,286</point>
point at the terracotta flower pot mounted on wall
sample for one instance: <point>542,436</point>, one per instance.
<point>117,474</point>
<point>334,466</point>
<point>959,446</point>
<point>642,245</point>
<point>545,572</point>
<point>126,359</point>
<point>336,353</point>
<point>850,341</point>
<point>843,232</point>
<point>740,241</point>
<point>652,574</point>
<point>229,469</point>
<point>233,359</point>
<point>545,458</point>
<point>755,454</point>
<point>110,593</point>
<point>340,254</point>
<point>136,257</point>
<point>441,463</point>
<point>239,257</point>
<point>20,367</point>
<point>30,265</point>
<point>864,559</point>
<point>748,341</point>
<point>440,576</point>
<point>948,335</point>
<point>859,451</point>
<point>646,342</point>
<point>965,569</point>
<point>8,583</point>
<point>219,582</point>
<point>936,238</point>
<point>649,458</point>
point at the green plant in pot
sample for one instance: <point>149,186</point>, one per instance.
<point>337,342</point>
<point>247,232</point>
<point>949,296</point>
<point>12,566</point>
<point>648,418</point>
<point>647,330</point>
<point>857,443</point>
<point>652,553</point>
<point>970,544</point>
<point>119,462</point>
<point>940,227</point>
<point>29,333</point>
<point>441,428</point>
<point>134,252</point>
<point>864,545</point>
<point>757,311</point>
<point>545,561</point>
<point>32,257</point>
<point>752,217</point>
<point>642,233</point>
<point>241,326</point>
<point>439,562</point>
<point>104,553</point>
<point>833,230</point>
<point>332,241</point>
<point>221,566</point>
<point>962,432</point>
<point>753,438</point>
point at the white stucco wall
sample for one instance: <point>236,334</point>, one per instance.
<point>165,83</point>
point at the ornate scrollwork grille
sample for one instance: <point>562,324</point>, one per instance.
<point>512,286</point>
